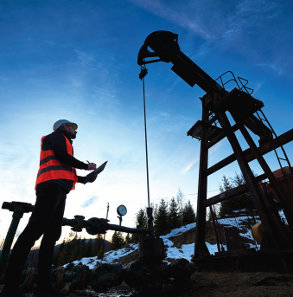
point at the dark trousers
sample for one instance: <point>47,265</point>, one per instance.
<point>45,220</point>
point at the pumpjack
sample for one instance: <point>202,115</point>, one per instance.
<point>269,195</point>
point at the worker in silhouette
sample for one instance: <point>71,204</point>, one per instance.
<point>56,178</point>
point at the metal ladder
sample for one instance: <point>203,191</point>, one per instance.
<point>241,84</point>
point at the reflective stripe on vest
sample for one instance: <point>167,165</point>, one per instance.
<point>51,168</point>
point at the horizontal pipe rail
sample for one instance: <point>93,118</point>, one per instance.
<point>99,226</point>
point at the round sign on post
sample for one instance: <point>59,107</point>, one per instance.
<point>121,210</point>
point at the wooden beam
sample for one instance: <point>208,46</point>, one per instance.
<point>225,195</point>
<point>230,193</point>
<point>249,156</point>
<point>221,135</point>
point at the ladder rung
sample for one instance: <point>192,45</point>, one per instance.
<point>212,120</point>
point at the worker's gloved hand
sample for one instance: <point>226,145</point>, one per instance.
<point>92,178</point>
<point>91,166</point>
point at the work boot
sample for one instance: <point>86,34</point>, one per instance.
<point>15,292</point>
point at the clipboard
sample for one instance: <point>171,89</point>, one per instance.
<point>96,171</point>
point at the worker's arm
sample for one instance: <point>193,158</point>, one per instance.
<point>81,179</point>
<point>58,144</point>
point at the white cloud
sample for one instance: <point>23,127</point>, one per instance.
<point>190,165</point>
<point>274,67</point>
<point>252,28</point>
<point>84,58</point>
<point>257,7</point>
<point>176,14</point>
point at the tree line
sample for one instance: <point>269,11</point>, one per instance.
<point>238,202</point>
<point>74,247</point>
<point>167,215</point>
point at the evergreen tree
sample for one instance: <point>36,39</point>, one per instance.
<point>173,214</point>
<point>243,201</point>
<point>237,202</point>
<point>161,219</point>
<point>155,210</point>
<point>118,240</point>
<point>63,255</point>
<point>179,200</point>
<point>188,214</point>
<point>128,239</point>
<point>59,256</point>
<point>141,221</point>
<point>238,180</point>
<point>100,246</point>
<point>226,185</point>
<point>74,249</point>
<point>88,250</point>
<point>226,204</point>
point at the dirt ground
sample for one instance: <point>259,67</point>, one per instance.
<point>209,284</point>
<point>257,284</point>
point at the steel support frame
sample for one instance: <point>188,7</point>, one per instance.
<point>275,232</point>
<point>274,238</point>
<point>286,206</point>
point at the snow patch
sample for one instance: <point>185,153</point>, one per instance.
<point>186,251</point>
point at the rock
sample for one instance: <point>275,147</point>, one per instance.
<point>146,278</point>
<point>178,278</point>
<point>180,270</point>
<point>159,279</point>
<point>106,276</point>
<point>82,277</point>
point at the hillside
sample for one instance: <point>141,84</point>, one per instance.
<point>96,245</point>
<point>179,243</point>
<point>128,254</point>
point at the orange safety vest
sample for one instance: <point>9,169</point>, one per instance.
<point>52,168</point>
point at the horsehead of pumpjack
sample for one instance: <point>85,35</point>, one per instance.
<point>163,46</point>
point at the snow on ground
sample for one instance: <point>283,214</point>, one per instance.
<point>186,251</point>
<point>239,223</point>
<point>109,257</point>
<point>178,231</point>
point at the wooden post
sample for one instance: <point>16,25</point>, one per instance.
<point>200,248</point>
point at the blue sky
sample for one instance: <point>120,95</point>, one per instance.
<point>77,60</point>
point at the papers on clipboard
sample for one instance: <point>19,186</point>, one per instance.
<point>97,171</point>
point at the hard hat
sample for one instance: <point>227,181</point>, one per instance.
<point>59,123</point>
